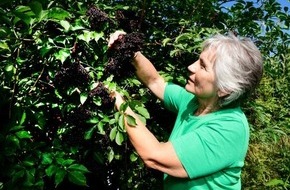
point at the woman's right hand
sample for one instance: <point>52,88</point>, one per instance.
<point>114,37</point>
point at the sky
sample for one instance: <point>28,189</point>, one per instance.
<point>282,2</point>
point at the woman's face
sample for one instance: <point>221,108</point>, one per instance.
<point>201,81</point>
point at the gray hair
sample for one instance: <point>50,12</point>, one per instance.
<point>238,66</point>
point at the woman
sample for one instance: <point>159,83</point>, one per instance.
<point>209,141</point>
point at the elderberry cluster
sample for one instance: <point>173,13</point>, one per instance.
<point>97,18</point>
<point>122,51</point>
<point>128,21</point>
<point>121,54</point>
<point>74,75</point>
<point>102,93</point>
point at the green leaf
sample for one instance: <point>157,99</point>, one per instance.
<point>89,133</point>
<point>113,133</point>
<point>67,162</point>
<point>143,119</point>
<point>23,135</point>
<point>133,157</point>
<point>131,120</point>
<point>65,24</point>
<point>111,155</point>
<point>59,176</point>
<point>23,118</point>
<point>83,97</point>
<point>78,167</point>
<point>121,123</point>
<point>46,158</point>
<point>62,54</point>
<point>87,36</point>
<point>45,49</point>
<point>51,170</point>
<point>77,177</point>
<point>28,163</point>
<point>165,41</point>
<point>98,157</point>
<point>142,111</point>
<point>14,140</point>
<point>23,13</point>
<point>18,175</point>
<point>4,45</point>
<point>119,138</point>
<point>36,8</point>
<point>275,182</point>
<point>58,13</point>
<point>124,106</point>
<point>16,128</point>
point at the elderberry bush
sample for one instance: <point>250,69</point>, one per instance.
<point>121,54</point>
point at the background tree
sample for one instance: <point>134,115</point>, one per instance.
<point>59,129</point>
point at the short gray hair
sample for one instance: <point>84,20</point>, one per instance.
<point>238,66</point>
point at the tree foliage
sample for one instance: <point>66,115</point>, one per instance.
<point>59,129</point>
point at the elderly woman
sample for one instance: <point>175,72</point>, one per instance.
<point>209,141</point>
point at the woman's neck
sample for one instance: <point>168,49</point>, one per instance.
<point>207,107</point>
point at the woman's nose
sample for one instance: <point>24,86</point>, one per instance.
<point>191,67</point>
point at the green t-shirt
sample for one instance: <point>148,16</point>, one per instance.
<point>211,148</point>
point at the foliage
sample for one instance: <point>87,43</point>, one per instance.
<point>56,131</point>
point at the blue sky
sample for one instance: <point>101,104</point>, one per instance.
<point>282,2</point>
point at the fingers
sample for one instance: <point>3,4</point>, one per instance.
<point>115,36</point>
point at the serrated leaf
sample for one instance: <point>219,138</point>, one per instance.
<point>113,133</point>
<point>98,36</point>
<point>23,135</point>
<point>59,176</point>
<point>77,177</point>
<point>99,157</point>
<point>51,170</point>
<point>67,162</point>
<point>131,120</point>
<point>275,182</point>
<point>111,155</point>
<point>124,106</point>
<point>4,45</point>
<point>133,157</point>
<point>121,122</point>
<point>46,158</point>
<point>78,167</point>
<point>36,8</point>
<point>65,24</point>
<point>89,133</point>
<point>83,97</point>
<point>62,54</point>
<point>58,13</point>
<point>143,119</point>
<point>165,41</point>
<point>101,128</point>
<point>23,118</point>
<point>28,163</point>
<point>143,111</point>
<point>119,138</point>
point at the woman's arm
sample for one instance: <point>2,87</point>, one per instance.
<point>145,70</point>
<point>147,73</point>
<point>155,154</point>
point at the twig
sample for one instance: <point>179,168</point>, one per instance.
<point>37,79</point>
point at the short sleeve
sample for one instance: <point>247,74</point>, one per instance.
<point>211,147</point>
<point>174,96</point>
